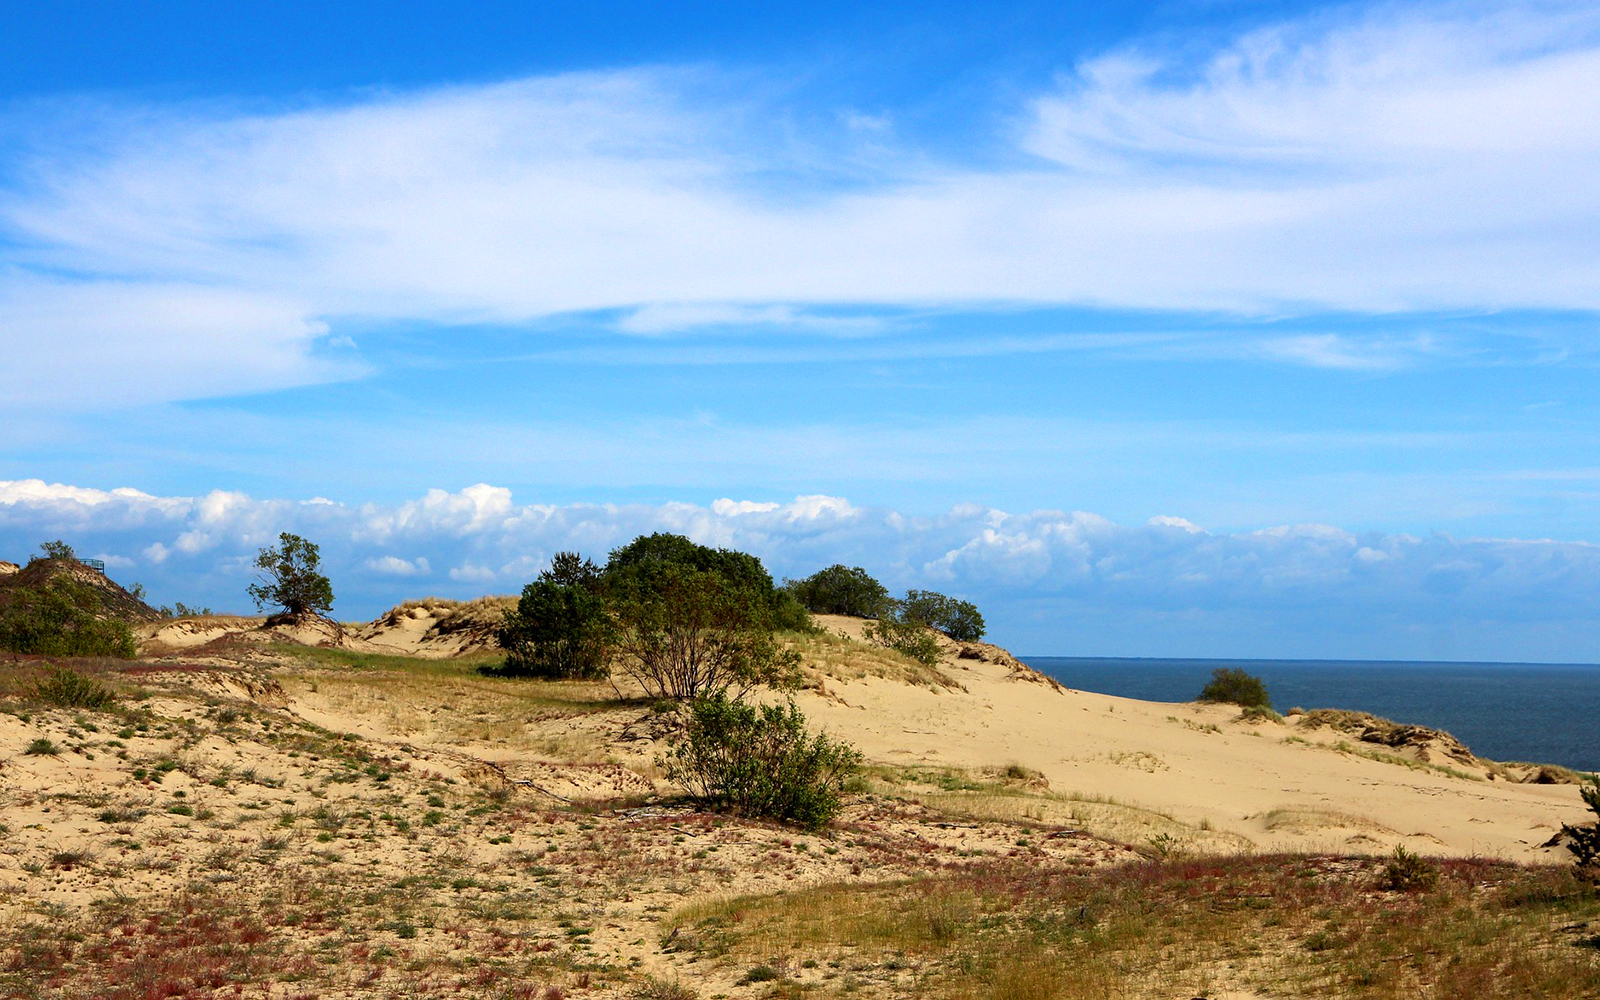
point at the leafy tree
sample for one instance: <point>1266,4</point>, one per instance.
<point>840,590</point>
<point>760,761</point>
<point>289,579</point>
<point>56,550</point>
<point>62,618</point>
<point>959,620</point>
<point>561,627</point>
<point>687,633</point>
<point>1233,686</point>
<point>635,567</point>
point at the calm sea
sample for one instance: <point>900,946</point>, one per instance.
<point>1549,714</point>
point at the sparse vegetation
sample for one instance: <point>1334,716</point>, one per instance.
<point>1233,686</point>
<point>904,637</point>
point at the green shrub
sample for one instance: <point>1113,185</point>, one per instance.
<point>760,761</point>
<point>42,747</point>
<point>908,638</point>
<point>959,620</point>
<point>1408,872</point>
<point>1585,845</point>
<point>62,618</point>
<point>561,627</point>
<point>66,688</point>
<point>840,590</point>
<point>1231,685</point>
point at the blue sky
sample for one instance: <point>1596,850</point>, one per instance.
<point>1177,329</point>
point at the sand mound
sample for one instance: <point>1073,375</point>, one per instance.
<point>7,568</point>
<point>435,627</point>
<point>1429,746</point>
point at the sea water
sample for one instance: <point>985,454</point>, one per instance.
<point>1543,713</point>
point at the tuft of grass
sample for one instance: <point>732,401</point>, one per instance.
<point>66,688</point>
<point>42,747</point>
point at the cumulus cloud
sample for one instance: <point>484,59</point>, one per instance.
<point>1049,580</point>
<point>1434,156</point>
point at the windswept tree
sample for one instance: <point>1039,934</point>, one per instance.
<point>288,579</point>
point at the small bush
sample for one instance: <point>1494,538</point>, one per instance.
<point>1233,686</point>
<point>66,688</point>
<point>561,628</point>
<point>42,747</point>
<point>1408,872</point>
<point>1259,713</point>
<point>1585,845</point>
<point>760,762</point>
<point>907,638</point>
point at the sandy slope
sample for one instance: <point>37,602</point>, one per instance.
<point>1247,782</point>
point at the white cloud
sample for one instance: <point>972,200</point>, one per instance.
<point>395,566</point>
<point>1044,576</point>
<point>1421,157</point>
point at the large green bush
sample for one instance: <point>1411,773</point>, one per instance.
<point>840,590</point>
<point>561,628</point>
<point>760,761</point>
<point>1233,686</point>
<point>636,569</point>
<point>62,618</point>
<point>959,620</point>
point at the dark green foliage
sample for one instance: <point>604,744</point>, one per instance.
<point>840,590</point>
<point>42,747</point>
<point>289,579</point>
<point>1585,846</point>
<point>636,568</point>
<point>561,628</point>
<point>959,620</point>
<point>1233,686</point>
<point>61,618</point>
<point>687,633</point>
<point>66,688</point>
<point>760,761</point>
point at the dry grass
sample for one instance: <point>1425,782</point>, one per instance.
<point>1281,925</point>
<point>828,655</point>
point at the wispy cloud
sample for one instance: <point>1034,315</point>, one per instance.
<point>1391,158</point>
<point>1303,587</point>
